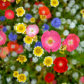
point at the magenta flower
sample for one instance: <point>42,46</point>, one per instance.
<point>72,42</point>
<point>51,41</point>
<point>2,38</point>
<point>32,30</point>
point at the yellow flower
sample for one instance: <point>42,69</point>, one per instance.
<point>82,12</point>
<point>28,39</point>
<point>20,11</point>
<point>62,52</point>
<point>15,74</point>
<point>38,51</point>
<point>48,61</point>
<point>41,64</point>
<point>63,47</point>
<point>20,28</point>
<point>42,17</point>
<point>17,1</point>
<point>35,38</point>
<point>22,58</point>
<point>21,78</point>
<point>54,3</point>
<point>32,20</point>
<point>64,83</point>
<point>15,26</point>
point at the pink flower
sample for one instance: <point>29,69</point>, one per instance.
<point>54,82</point>
<point>12,1</point>
<point>82,79</point>
<point>51,40</point>
<point>32,30</point>
<point>2,38</point>
<point>72,42</point>
<point>20,49</point>
<point>48,16</point>
<point>9,14</point>
<point>3,52</point>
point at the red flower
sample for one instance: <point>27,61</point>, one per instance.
<point>49,77</point>
<point>60,64</point>
<point>9,14</point>
<point>12,46</point>
<point>44,10</point>
<point>37,3</point>
<point>4,5</point>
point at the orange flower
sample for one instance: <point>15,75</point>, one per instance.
<point>3,52</point>
<point>12,46</point>
<point>44,10</point>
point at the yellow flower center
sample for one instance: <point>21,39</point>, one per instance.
<point>32,30</point>
<point>70,42</point>
<point>54,2</point>
<point>38,50</point>
<point>50,41</point>
<point>47,61</point>
<point>60,64</point>
<point>21,28</point>
<point>3,4</point>
<point>43,12</point>
<point>22,77</point>
<point>0,38</point>
<point>9,14</point>
<point>21,58</point>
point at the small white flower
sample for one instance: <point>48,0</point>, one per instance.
<point>65,1</point>
<point>82,43</point>
<point>27,5</point>
<point>8,27</point>
<point>68,9</point>
<point>81,27</point>
<point>30,55</point>
<point>72,52</point>
<point>73,11</point>
<point>79,49</point>
<point>80,33</point>
<point>75,75</point>
<point>38,68</point>
<point>63,20</point>
<point>53,56</point>
<point>45,20</point>
<point>33,81</point>
<point>12,67</point>
<point>66,32</point>
<point>76,6</point>
<point>26,73</point>
<point>78,17</point>
<point>34,10</point>
<point>36,16</point>
<point>18,19</point>
<point>40,5</point>
<point>19,70</point>
<point>62,39</point>
<point>0,81</point>
<point>25,20</point>
<point>60,9</point>
<point>74,61</point>
<point>68,21</point>
<point>6,59</point>
<point>61,27</point>
<point>14,54</point>
<point>35,59</point>
<point>58,14</point>
<point>27,46</point>
<point>8,79</point>
<point>69,67</point>
<point>72,25</point>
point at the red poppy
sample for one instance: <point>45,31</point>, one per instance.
<point>12,46</point>
<point>37,3</point>
<point>4,5</point>
<point>60,64</point>
<point>1,27</point>
<point>49,77</point>
<point>44,10</point>
<point>9,14</point>
<point>20,49</point>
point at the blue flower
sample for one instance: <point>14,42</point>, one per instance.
<point>28,16</point>
<point>2,18</point>
<point>45,27</point>
<point>4,29</point>
<point>38,44</point>
<point>12,37</point>
<point>56,22</point>
<point>24,44</point>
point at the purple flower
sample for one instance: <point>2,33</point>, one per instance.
<point>45,27</point>
<point>4,29</point>
<point>56,22</point>
<point>28,16</point>
<point>2,18</point>
<point>12,37</point>
<point>38,44</point>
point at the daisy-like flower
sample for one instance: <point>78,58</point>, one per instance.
<point>38,51</point>
<point>20,11</point>
<point>22,58</point>
<point>82,12</point>
<point>32,20</point>
<point>54,3</point>
<point>35,38</point>
<point>48,61</point>
<point>28,40</point>
<point>15,74</point>
<point>20,28</point>
<point>21,78</point>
